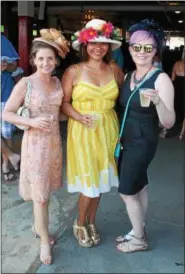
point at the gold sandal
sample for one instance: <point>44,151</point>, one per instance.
<point>95,236</point>
<point>133,245</point>
<point>45,253</point>
<point>86,241</point>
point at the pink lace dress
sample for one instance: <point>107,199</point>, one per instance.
<point>41,155</point>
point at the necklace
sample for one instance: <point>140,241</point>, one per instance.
<point>137,81</point>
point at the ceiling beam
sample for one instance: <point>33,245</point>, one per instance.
<point>61,8</point>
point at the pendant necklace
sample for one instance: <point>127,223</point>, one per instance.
<point>137,81</point>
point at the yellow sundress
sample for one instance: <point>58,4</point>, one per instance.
<point>91,168</point>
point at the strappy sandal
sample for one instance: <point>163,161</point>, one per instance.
<point>128,236</point>
<point>133,245</point>
<point>95,236</point>
<point>36,235</point>
<point>123,238</point>
<point>86,241</point>
<point>45,253</point>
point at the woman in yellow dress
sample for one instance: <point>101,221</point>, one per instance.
<point>92,85</point>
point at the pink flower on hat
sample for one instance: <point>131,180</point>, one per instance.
<point>86,35</point>
<point>107,29</point>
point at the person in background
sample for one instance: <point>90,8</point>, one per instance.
<point>141,132</point>
<point>41,154</point>
<point>93,87</point>
<point>9,59</point>
<point>117,57</point>
<point>178,78</point>
<point>18,74</point>
<point>157,62</point>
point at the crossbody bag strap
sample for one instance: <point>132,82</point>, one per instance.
<point>28,93</point>
<point>148,76</point>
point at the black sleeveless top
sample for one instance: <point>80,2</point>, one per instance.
<point>141,122</point>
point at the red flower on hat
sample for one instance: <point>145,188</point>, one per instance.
<point>86,35</point>
<point>107,29</point>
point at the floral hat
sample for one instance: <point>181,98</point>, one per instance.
<point>54,38</point>
<point>97,30</point>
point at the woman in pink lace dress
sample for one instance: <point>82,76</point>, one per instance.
<point>41,157</point>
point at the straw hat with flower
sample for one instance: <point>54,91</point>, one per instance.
<point>97,30</point>
<point>55,39</point>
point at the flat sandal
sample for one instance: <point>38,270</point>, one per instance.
<point>133,245</point>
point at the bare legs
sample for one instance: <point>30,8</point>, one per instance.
<point>136,206</point>
<point>91,215</point>
<point>9,155</point>
<point>83,206</point>
<point>41,216</point>
<point>87,208</point>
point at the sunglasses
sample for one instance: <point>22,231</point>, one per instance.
<point>138,47</point>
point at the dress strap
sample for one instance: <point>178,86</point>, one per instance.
<point>113,74</point>
<point>58,85</point>
<point>28,92</point>
<point>78,69</point>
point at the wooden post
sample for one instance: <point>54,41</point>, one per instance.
<point>25,13</point>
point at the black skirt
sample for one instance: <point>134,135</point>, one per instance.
<point>139,147</point>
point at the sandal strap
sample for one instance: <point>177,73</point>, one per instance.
<point>134,244</point>
<point>93,230</point>
<point>85,232</point>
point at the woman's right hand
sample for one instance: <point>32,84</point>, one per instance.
<point>86,120</point>
<point>43,123</point>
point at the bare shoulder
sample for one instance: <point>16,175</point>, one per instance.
<point>163,77</point>
<point>71,70</point>
<point>163,83</point>
<point>115,67</point>
<point>22,83</point>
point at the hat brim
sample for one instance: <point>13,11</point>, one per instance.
<point>101,39</point>
<point>51,43</point>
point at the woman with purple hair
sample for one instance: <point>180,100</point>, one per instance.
<point>141,131</point>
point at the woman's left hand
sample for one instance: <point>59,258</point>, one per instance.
<point>153,95</point>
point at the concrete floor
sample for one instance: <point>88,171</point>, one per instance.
<point>165,224</point>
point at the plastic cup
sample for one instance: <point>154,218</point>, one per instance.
<point>96,119</point>
<point>144,101</point>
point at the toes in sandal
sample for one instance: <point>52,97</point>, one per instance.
<point>133,245</point>
<point>45,253</point>
<point>36,235</point>
<point>95,236</point>
<point>84,241</point>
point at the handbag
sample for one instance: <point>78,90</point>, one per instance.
<point>119,146</point>
<point>24,110</point>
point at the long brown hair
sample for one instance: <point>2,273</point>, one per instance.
<point>84,55</point>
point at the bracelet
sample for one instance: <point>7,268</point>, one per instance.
<point>158,101</point>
